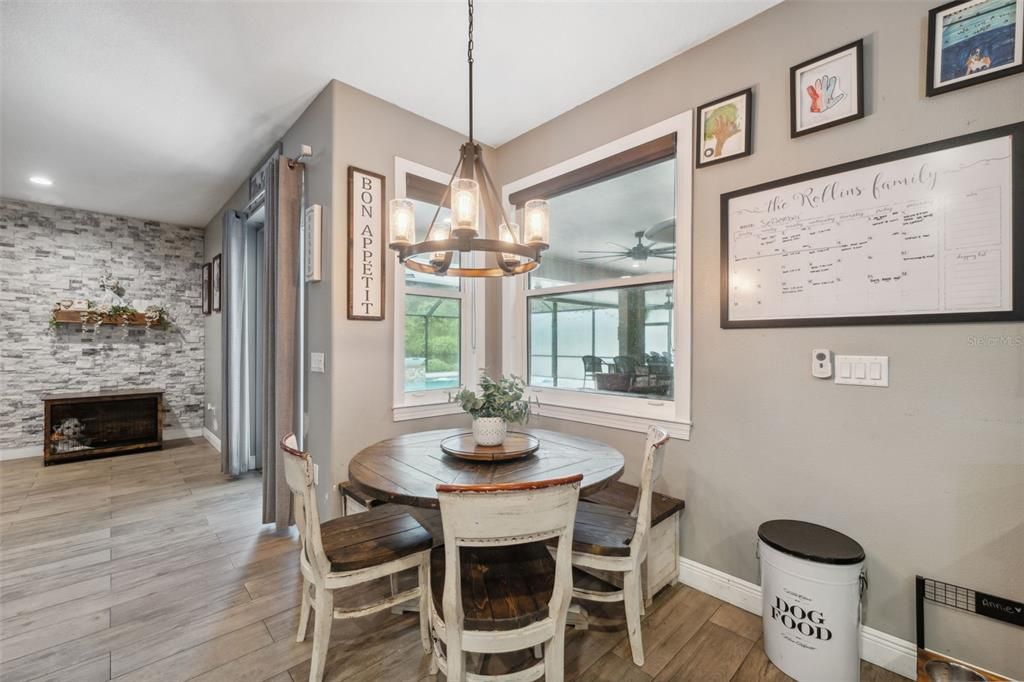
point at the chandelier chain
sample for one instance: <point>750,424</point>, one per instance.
<point>469,60</point>
<point>514,256</point>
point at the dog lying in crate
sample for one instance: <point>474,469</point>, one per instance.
<point>69,435</point>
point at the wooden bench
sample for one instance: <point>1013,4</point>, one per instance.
<point>354,500</point>
<point>662,565</point>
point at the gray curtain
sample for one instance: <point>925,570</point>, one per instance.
<point>266,402</point>
<point>279,326</point>
<point>235,445</point>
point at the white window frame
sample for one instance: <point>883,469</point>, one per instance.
<point>433,403</point>
<point>617,411</point>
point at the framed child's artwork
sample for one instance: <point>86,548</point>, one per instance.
<point>205,289</point>
<point>973,41</point>
<point>827,91</point>
<point>724,128</point>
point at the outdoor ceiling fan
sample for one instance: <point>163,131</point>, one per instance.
<point>659,233</point>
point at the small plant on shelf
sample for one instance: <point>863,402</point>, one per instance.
<point>111,309</point>
<point>499,403</point>
<point>93,316</point>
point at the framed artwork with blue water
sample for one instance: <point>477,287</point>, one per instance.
<point>974,41</point>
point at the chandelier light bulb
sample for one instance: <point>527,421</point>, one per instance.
<point>402,222</point>
<point>538,221</point>
<point>441,231</point>
<point>465,207</point>
<point>507,233</point>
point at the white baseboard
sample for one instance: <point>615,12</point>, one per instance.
<point>179,432</point>
<point>20,453</point>
<point>736,591</point>
<point>211,438</point>
<point>877,647</point>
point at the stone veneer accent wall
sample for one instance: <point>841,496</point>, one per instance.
<point>49,253</point>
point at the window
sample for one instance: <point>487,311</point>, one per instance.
<point>436,318</point>
<point>601,329</point>
<point>432,342</point>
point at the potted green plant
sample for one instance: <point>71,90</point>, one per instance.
<point>499,403</point>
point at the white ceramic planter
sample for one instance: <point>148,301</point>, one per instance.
<point>489,430</point>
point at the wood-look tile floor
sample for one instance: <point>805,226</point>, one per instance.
<point>157,567</point>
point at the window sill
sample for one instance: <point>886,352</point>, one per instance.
<point>401,413</point>
<point>675,429</point>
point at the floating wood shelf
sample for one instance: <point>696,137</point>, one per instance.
<point>75,317</point>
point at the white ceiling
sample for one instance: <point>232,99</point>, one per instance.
<point>160,109</point>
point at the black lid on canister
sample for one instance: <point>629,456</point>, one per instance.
<point>811,542</point>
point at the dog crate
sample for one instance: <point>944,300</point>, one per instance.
<point>102,423</point>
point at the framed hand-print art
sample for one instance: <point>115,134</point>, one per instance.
<point>827,91</point>
<point>724,128</point>
<point>974,41</point>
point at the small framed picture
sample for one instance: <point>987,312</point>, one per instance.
<point>215,286</point>
<point>973,41</point>
<point>827,91</point>
<point>204,294</point>
<point>724,128</point>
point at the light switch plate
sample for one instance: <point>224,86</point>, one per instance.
<point>316,362</point>
<point>862,370</point>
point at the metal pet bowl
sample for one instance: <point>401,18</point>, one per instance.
<point>943,671</point>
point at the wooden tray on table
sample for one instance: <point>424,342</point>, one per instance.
<point>516,445</point>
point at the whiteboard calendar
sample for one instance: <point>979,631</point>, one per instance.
<point>922,235</point>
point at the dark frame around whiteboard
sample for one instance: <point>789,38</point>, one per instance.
<point>1014,131</point>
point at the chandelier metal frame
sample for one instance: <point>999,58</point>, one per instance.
<point>513,255</point>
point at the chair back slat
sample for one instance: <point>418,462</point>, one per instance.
<point>654,459</point>
<point>508,514</point>
<point>298,473</point>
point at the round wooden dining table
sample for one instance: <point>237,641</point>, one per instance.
<point>407,469</point>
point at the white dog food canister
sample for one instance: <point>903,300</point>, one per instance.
<point>811,586</point>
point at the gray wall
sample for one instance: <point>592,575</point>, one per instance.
<point>51,253</point>
<point>214,322</point>
<point>316,128</point>
<point>927,474</point>
<point>350,405</point>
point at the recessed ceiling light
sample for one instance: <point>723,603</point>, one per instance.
<point>40,180</point>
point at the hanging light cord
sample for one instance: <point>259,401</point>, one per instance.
<point>469,59</point>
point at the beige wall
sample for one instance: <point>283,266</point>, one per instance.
<point>927,474</point>
<point>350,405</point>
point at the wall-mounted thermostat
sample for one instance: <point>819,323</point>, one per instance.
<point>821,363</point>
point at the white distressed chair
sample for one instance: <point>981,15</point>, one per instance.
<point>494,539</point>
<point>349,551</point>
<point>610,540</point>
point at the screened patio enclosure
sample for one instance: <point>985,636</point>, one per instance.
<point>616,340</point>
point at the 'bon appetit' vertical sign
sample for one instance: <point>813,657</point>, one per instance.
<point>365,245</point>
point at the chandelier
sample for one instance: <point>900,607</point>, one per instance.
<point>471,191</point>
